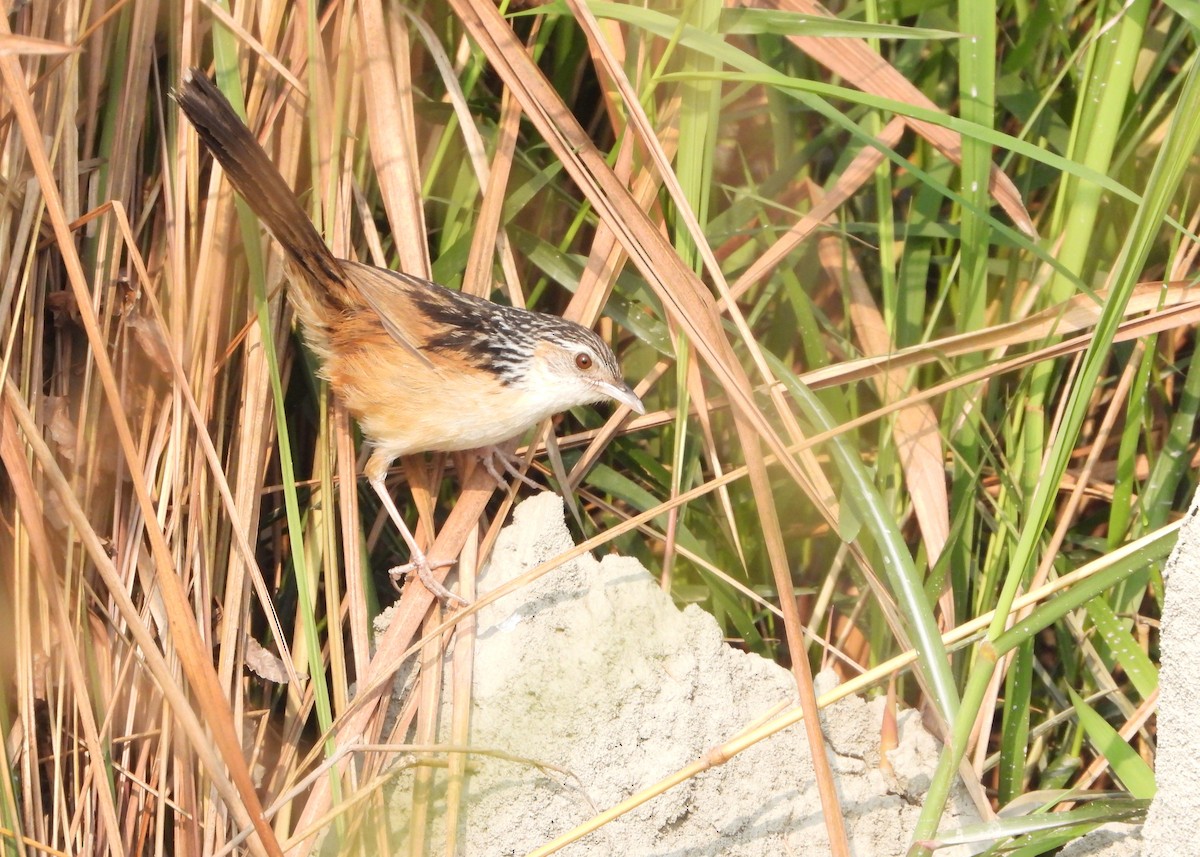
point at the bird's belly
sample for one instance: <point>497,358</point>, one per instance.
<point>446,413</point>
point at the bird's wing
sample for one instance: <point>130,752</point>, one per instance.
<point>389,294</point>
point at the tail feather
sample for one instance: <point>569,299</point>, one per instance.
<point>257,179</point>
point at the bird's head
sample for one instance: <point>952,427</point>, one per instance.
<point>570,365</point>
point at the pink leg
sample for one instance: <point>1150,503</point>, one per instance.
<point>375,470</point>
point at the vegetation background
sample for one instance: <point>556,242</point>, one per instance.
<point>904,285</point>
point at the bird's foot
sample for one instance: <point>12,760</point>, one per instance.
<point>509,462</point>
<point>424,569</point>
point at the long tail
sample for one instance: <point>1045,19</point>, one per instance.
<point>258,181</point>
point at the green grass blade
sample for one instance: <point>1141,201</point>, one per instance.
<point>1129,767</point>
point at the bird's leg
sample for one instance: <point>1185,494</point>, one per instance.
<point>489,455</point>
<point>375,470</point>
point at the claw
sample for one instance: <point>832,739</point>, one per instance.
<point>491,454</point>
<point>424,569</point>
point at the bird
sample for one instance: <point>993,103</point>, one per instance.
<point>421,368</point>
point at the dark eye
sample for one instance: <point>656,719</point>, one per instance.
<point>583,361</point>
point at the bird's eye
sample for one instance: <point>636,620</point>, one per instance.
<point>583,361</point>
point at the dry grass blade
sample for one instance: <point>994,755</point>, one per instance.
<point>260,50</point>
<point>460,725</point>
<point>390,124</point>
<point>606,256</point>
<point>176,698</point>
<point>14,45</point>
<point>171,365</point>
<point>918,440</point>
<point>212,287</point>
<point>489,235</point>
<point>22,482</point>
<point>1166,305</point>
<point>192,652</point>
<point>1157,322</point>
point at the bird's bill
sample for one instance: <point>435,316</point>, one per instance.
<point>624,394</point>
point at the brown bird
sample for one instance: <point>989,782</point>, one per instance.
<point>421,367</point>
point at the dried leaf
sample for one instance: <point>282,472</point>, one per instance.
<point>150,338</point>
<point>60,426</point>
<point>263,663</point>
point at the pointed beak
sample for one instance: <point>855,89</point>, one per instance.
<point>621,392</point>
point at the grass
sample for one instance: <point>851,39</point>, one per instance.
<point>907,295</point>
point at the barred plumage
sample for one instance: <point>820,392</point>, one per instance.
<point>501,339</point>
